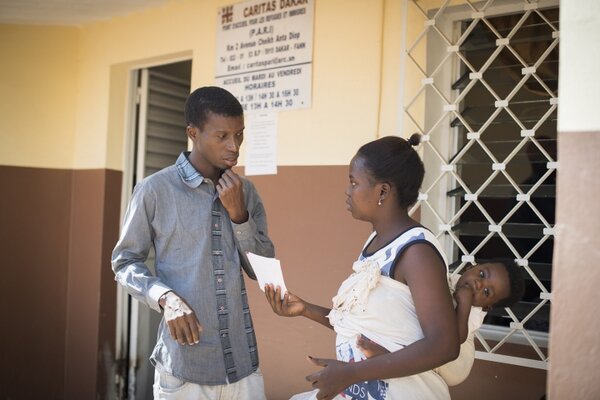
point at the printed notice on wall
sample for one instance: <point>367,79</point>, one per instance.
<point>264,53</point>
<point>261,143</point>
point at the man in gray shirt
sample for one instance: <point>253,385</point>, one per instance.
<point>201,218</point>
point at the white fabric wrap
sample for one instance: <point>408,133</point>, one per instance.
<point>382,309</point>
<point>376,306</point>
<point>355,290</point>
<point>457,371</point>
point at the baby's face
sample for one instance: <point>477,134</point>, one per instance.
<point>489,283</point>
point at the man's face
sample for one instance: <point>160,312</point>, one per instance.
<point>217,145</point>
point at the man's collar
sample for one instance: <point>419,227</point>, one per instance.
<point>189,175</point>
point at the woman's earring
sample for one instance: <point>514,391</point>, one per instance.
<point>379,202</point>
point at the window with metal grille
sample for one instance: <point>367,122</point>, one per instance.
<point>486,105</point>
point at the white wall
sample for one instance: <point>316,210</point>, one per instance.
<point>579,86</point>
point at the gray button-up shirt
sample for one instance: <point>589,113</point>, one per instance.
<point>177,211</point>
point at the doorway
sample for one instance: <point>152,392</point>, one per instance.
<point>156,138</point>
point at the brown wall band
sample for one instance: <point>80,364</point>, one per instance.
<point>70,290</point>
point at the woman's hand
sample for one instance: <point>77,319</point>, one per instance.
<point>290,306</point>
<point>331,380</point>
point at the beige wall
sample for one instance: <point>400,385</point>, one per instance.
<point>351,100</point>
<point>38,86</point>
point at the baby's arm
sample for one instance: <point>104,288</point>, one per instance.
<point>464,297</point>
<point>370,348</point>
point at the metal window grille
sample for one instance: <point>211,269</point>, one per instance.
<point>486,105</point>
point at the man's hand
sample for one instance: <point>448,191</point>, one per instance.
<point>331,380</point>
<point>183,325</point>
<point>231,193</point>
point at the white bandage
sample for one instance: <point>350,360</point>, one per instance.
<point>175,307</point>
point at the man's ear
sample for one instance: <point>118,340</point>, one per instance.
<point>191,132</point>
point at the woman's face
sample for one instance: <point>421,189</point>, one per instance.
<point>362,194</point>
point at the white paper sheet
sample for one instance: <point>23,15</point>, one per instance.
<point>267,270</point>
<point>261,144</point>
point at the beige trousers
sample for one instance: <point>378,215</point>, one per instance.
<point>168,387</point>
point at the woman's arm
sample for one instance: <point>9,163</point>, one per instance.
<point>293,306</point>
<point>424,272</point>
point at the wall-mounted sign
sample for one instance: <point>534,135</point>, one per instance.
<point>264,53</point>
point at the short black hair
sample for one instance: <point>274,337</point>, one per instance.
<point>210,99</point>
<point>392,159</point>
<point>515,279</point>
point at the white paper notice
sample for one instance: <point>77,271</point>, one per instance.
<point>265,53</point>
<point>261,144</point>
<point>267,270</point>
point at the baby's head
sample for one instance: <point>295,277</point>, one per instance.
<point>497,283</point>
